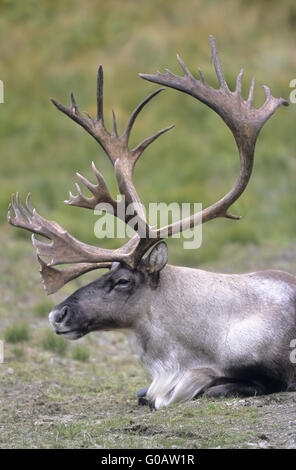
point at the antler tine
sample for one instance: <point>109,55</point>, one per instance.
<point>202,78</point>
<point>74,107</point>
<point>238,87</point>
<point>114,124</point>
<point>251,93</point>
<point>146,142</point>
<point>22,208</point>
<point>100,193</point>
<point>24,218</point>
<point>137,111</point>
<point>217,64</point>
<point>136,152</point>
<point>185,69</point>
<point>100,80</point>
<point>100,178</point>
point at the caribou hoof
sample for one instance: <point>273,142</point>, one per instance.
<point>141,394</point>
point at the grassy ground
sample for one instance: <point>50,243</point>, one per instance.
<point>55,393</point>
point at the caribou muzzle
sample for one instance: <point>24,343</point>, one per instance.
<point>62,321</point>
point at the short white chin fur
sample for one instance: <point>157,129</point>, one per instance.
<point>70,335</point>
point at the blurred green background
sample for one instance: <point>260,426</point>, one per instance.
<point>50,48</point>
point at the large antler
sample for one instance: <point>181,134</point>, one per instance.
<point>244,121</point>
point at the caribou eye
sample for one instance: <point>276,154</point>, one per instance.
<point>122,283</point>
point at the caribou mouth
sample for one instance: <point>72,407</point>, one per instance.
<point>70,334</point>
<point>64,332</point>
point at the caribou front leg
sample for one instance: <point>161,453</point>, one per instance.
<point>168,388</point>
<point>194,383</point>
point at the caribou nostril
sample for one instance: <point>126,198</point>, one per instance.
<point>60,316</point>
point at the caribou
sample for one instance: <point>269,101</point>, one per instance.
<point>197,332</point>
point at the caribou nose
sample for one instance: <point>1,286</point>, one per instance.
<point>58,315</point>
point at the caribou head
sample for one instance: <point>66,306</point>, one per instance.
<point>115,300</point>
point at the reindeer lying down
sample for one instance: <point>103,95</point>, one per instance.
<point>197,332</point>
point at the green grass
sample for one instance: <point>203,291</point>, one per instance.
<point>43,308</point>
<point>80,353</point>
<point>19,353</point>
<point>51,342</point>
<point>17,333</point>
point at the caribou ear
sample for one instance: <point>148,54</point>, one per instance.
<point>114,265</point>
<point>157,258</point>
